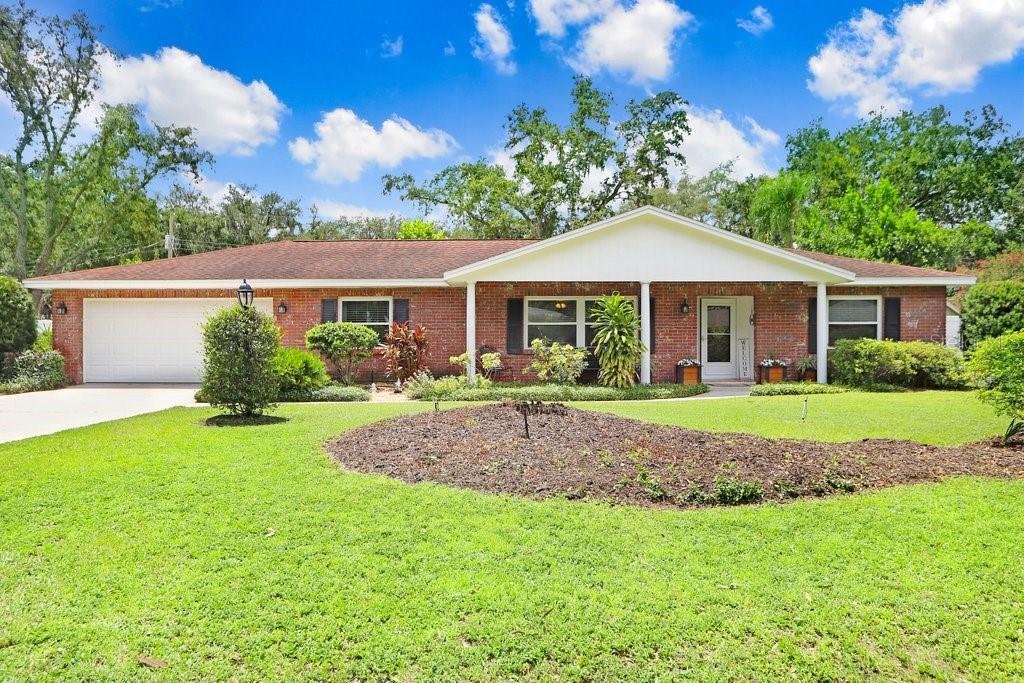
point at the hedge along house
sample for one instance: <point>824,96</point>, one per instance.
<point>702,293</point>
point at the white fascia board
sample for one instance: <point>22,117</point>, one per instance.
<point>459,274</point>
<point>938,281</point>
<point>43,284</point>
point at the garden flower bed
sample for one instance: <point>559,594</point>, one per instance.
<point>588,455</point>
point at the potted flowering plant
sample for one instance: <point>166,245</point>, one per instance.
<point>772,370</point>
<point>688,371</point>
<point>808,368</point>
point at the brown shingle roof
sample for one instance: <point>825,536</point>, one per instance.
<point>865,268</point>
<point>311,260</point>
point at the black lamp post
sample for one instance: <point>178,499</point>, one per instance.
<point>245,295</point>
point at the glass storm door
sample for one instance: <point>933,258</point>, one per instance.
<point>718,338</point>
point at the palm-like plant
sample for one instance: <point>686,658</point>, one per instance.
<point>617,346</point>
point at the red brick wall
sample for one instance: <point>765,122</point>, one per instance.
<point>442,310</point>
<point>780,308</point>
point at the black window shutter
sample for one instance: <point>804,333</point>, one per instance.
<point>654,335</point>
<point>891,318</point>
<point>514,326</point>
<point>400,310</point>
<point>812,325</point>
<point>328,310</point>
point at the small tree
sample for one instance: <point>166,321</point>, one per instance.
<point>405,350</point>
<point>558,363</point>
<point>997,366</point>
<point>17,317</point>
<point>345,345</point>
<point>419,229</point>
<point>238,372</point>
<point>616,344</point>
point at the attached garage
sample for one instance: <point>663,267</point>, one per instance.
<point>147,340</point>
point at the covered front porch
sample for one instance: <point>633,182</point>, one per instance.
<point>727,326</point>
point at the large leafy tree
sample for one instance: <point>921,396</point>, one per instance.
<point>560,177</point>
<point>69,203</point>
<point>778,206</point>
<point>949,172</point>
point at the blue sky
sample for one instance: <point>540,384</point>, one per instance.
<point>318,101</point>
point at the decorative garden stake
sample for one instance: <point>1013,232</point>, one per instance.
<point>804,416</point>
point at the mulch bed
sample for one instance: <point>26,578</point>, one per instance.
<point>590,455</point>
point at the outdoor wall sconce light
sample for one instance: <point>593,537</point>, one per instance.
<point>685,307</point>
<point>753,318</point>
<point>61,309</point>
<point>245,294</point>
<point>282,308</point>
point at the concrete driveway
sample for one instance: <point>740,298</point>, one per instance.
<point>45,412</point>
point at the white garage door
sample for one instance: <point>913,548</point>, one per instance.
<point>147,340</point>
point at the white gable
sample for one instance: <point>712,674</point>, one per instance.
<point>649,245</point>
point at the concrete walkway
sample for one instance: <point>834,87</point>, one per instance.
<point>724,390</point>
<point>46,412</point>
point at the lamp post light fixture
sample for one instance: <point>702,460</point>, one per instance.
<point>282,308</point>
<point>245,295</point>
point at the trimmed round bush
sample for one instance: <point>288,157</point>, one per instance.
<point>238,373</point>
<point>991,309</point>
<point>862,362</point>
<point>997,368</point>
<point>344,344</point>
<point>874,365</point>
<point>17,316</point>
<point>298,371</point>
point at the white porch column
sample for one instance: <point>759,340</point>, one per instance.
<point>822,324</point>
<point>645,332</point>
<point>471,332</point>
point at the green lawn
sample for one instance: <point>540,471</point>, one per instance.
<point>935,417</point>
<point>242,553</point>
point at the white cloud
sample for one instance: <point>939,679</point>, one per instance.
<point>715,140</point>
<point>493,42</point>
<point>332,209</point>
<point>633,42</point>
<point>553,16</point>
<point>449,49</point>
<point>391,48</point>
<point>346,144</point>
<point>940,46</point>
<point>760,21</point>
<point>214,190</point>
<point>176,87</point>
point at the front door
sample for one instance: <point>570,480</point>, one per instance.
<point>718,338</point>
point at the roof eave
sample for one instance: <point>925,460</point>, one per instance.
<point>264,283</point>
<point>915,280</point>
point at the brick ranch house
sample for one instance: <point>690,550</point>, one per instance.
<point>702,293</point>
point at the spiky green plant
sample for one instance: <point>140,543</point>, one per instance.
<point>617,346</point>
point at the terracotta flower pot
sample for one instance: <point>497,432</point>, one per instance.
<point>811,375</point>
<point>771,375</point>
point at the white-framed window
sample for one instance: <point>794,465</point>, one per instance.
<point>372,311</point>
<point>566,320</point>
<point>854,317</point>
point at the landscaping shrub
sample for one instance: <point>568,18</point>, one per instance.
<point>937,366</point>
<point>991,309</point>
<point>425,386</point>
<point>238,371</point>
<point>405,350</point>
<point>997,368</point>
<point>17,316</point>
<point>568,392</point>
<point>44,342</point>
<point>558,363</point>
<point>35,371</point>
<point>796,389</point>
<point>616,345</point>
<point>872,364</point>
<point>345,345</point>
<point>335,392</point>
<point>298,371</point>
